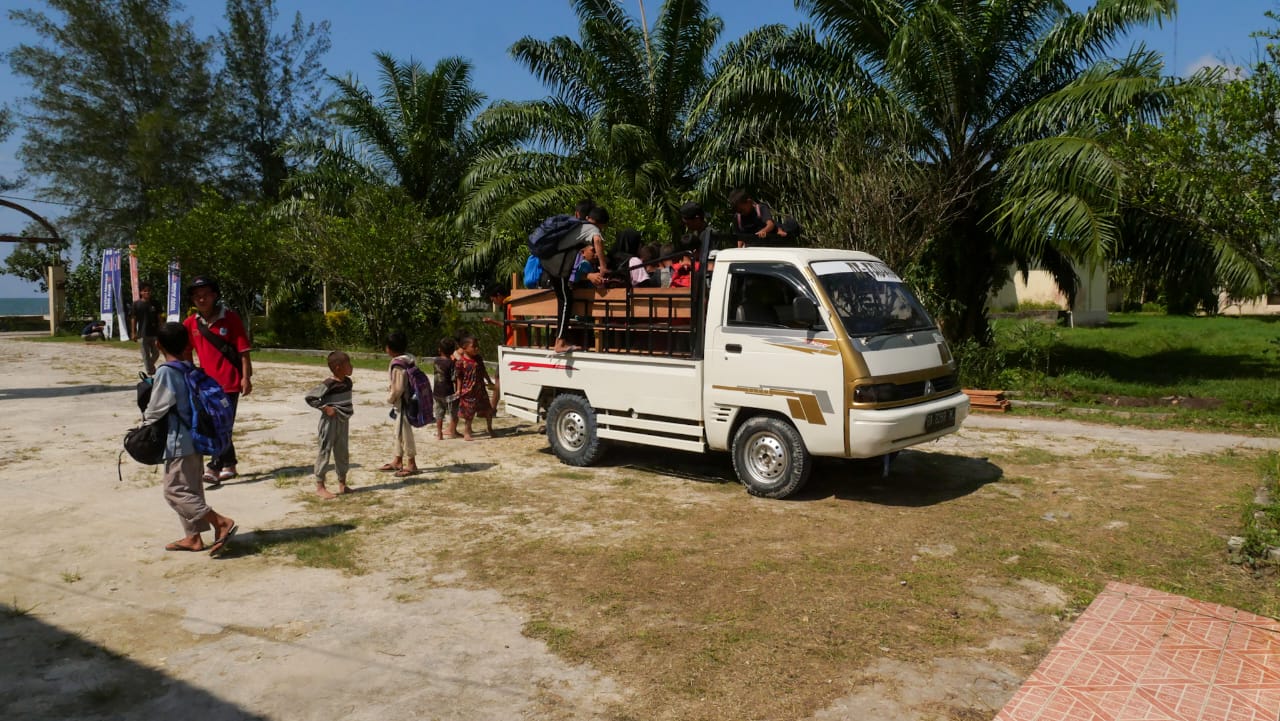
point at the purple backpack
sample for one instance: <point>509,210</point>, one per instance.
<point>417,402</point>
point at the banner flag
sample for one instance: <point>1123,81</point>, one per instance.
<point>117,286</point>
<point>105,305</point>
<point>133,272</point>
<point>174,303</point>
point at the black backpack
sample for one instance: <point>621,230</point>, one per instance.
<point>543,241</point>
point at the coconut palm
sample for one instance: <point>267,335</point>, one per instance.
<point>1004,102</point>
<point>415,134</point>
<point>631,118</point>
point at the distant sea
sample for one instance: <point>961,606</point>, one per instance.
<point>23,306</point>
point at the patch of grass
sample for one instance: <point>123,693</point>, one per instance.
<point>1224,370</point>
<point>1029,456</point>
<point>70,576</point>
<point>16,610</point>
<point>102,694</point>
<point>308,359</point>
<point>556,637</point>
<point>329,545</point>
<point>1261,514</point>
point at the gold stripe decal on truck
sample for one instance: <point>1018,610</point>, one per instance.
<point>819,347</point>
<point>802,406</point>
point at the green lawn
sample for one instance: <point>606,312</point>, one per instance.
<point>1224,371</point>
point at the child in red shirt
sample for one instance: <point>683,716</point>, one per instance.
<point>220,343</point>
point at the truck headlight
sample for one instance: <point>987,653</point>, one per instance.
<point>874,393</point>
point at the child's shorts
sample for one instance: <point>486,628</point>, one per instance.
<point>446,408</point>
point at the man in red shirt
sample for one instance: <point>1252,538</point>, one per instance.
<point>220,342</point>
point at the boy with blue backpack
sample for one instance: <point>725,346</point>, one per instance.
<point>181,400</point>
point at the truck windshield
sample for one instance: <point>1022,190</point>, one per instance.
<point>870,298</point>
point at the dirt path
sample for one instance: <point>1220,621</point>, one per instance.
<point>100,621</point>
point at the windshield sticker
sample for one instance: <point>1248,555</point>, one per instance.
<point>874,268</point>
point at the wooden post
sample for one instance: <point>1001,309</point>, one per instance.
<point>56,277</point>
<point>324,296</point>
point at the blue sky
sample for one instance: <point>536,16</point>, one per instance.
<point>1206,32</point>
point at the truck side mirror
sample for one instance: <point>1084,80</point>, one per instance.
<point>804,311</point>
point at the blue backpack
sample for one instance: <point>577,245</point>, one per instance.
<point>532,272</point>
<point>212,415</point>
<point>543,241</point>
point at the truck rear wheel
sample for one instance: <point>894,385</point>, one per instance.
<point>571,430</point>
<point>770,458</point>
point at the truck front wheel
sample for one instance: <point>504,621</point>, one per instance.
<point>770,458</point>
<point>571,430</point>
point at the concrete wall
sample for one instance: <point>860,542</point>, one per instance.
<point>1039,287</point>
<point>1262,305</point>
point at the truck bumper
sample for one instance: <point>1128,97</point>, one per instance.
<point>877,432</point>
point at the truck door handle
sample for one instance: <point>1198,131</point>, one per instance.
<point>733,348</point>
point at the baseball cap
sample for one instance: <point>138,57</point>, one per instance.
<point>202,281</point>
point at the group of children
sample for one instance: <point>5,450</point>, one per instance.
<point>459,392</point>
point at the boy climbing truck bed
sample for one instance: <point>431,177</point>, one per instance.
<point>775,355</point>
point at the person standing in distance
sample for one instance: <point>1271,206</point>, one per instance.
<point>220,342</point>
<point>145,323</point>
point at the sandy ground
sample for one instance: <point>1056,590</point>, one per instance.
<point>243,637</point>
<point>102,622</point>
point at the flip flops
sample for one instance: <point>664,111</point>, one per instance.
<point>210,480</point>
<point>175,546</point>
<point>220,544</point>
<point>226,476</point>
<point>405,472</point>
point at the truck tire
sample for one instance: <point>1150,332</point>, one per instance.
<point>770,458</point>
<point>571,430</point>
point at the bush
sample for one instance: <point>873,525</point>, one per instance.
<point>1029,345</point>
<point>979,366</point>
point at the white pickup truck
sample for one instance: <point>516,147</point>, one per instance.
<point>775,355</point>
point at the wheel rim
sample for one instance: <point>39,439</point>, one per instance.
<point>571,430</point>
<point>767,457</point>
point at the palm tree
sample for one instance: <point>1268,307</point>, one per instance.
<point>415,134</point>
<point>1004,103</point>
<point>632,118</point>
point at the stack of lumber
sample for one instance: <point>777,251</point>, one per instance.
<point>989,401</point>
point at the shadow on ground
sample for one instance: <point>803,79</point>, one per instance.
<point>256,542</point>
<point>424,475</point>
<point>49,673</point>
<point>17,394</point>
<point>916,478</point>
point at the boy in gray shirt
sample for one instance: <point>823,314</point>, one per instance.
<point>333,398</point>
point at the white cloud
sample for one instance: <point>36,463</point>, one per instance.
<point>1204,62</point>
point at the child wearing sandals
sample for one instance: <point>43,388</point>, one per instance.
<point>446,404</point>
<point>183,489</point>
<point>405,462</point>
<point>333,399</point>
<point>469,381</point>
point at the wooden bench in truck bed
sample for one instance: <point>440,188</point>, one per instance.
<point>612,320</point>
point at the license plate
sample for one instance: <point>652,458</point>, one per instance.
<point>938,420</point>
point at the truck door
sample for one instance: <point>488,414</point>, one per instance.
<point>759,357</point>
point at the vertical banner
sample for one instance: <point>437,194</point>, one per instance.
<point>106,305</point>
<point>117,285</point>
<point>133,271</point>
<point>174,302</point>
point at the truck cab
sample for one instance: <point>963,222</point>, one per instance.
<point>774,355</point>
